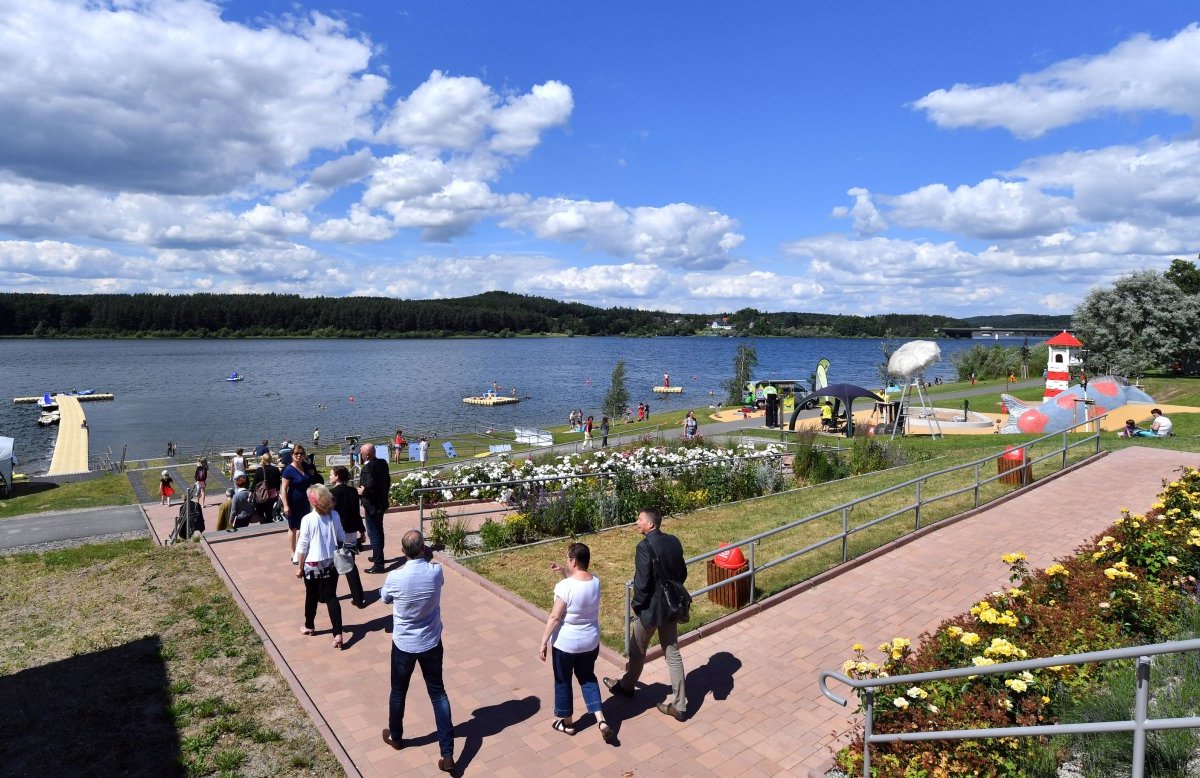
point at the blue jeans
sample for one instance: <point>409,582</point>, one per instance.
<point>431,668</point>
<point>583,666</point>
<point>374,523</point>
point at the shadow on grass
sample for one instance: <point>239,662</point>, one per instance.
<point>27,488</point>
<point>100,714</point>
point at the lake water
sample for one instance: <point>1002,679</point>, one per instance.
<point>175,389</point>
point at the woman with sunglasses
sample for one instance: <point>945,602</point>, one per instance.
<point>294,492</point>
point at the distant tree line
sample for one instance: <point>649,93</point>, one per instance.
<point>495,314</point>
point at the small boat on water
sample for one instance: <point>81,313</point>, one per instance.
<point>48,418</point>
<point>235,377</point>
<point>47,403</point>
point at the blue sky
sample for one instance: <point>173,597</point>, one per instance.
<point>850,158</point>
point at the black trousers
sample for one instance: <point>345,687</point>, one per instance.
<point>322,590</point>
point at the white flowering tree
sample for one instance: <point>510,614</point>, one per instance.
<point>1144,322</point>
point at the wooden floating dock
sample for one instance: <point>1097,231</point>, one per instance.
<point>489,401</point>
<point>80,397</point>
<point>71,448</point>
<point>668,389</point>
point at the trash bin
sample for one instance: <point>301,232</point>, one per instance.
<point>725,565</point>
<point>1013,468</point>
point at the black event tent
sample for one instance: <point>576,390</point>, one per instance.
<point>842,394</point>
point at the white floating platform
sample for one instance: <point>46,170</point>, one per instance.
<point>495,400</point>
<point>668,389</point>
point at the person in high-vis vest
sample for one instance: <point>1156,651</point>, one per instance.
<point>827,415</point>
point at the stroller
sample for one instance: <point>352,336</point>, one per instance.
<point>189,520</point>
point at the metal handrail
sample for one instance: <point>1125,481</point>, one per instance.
<point>1139,725</point>
<point>844,509</point>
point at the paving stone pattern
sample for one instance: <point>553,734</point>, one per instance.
<point>754,709</point>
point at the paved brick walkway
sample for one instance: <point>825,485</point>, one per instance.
<point>755,707</point>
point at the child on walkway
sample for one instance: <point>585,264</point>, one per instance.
<point>165,488</point>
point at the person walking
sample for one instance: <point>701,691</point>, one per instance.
<point>690,426</point>
<point>659,557</point>
<point>316,437</point>
<point>267,482</point>
<point>374,484</point>
<point>401,444</point>
<point>242,512</point>
<point>346,505</point>
<point>587,432</point>
<point>572,637</point>
<point>414,591</point>
<point>166,488</point>
<point>237,465</point>
<point>201,478</point>
<point>423,450</point>
<point>319,539</point>
<point>295,483</point>
<point>604,432</point>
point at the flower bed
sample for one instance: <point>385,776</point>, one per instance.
<point>571,502</point>
<point>644,462</point>
<point>1124,588</point>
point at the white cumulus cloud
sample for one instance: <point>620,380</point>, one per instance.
<point>679,234</point>
<point>166,96</point>
<point>1139,74</point>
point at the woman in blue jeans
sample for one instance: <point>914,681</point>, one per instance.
<point>573,636</point>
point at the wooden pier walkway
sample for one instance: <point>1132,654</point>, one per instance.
<point>71,448</point>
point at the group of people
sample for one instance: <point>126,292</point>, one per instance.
<point>325,523</point>
<point>1160,427</point>
<point>401,446</point>
<point>570,641</point>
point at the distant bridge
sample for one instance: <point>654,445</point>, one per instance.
<point>998,332</point>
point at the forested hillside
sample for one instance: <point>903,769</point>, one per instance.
<point>498,314</point>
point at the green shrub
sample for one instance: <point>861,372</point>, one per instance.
<point>493,535</point>
<point>456,536</point>
<point>439,529</point>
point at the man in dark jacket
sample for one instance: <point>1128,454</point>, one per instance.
<point>345,502</point>
<point>659,557</point>
<point>374,483</point>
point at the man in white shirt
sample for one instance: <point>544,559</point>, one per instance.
<point>414,591</point>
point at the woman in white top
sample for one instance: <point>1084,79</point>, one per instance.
<point>320,536</point>
<point>573,631</point>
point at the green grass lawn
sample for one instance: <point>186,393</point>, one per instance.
<point>140,663</point>
<point>108,489</point>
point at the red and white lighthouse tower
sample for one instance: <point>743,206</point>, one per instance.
<point>1064,355</point>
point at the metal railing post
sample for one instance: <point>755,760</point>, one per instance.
<point>1139,716</point>
<point>421,513</point>
<point>845,535</point>
<point>1064,450</point>
<point>976,484</point>
<point>917,505</point>
<point>752,547</point>
<point>869,720</point>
